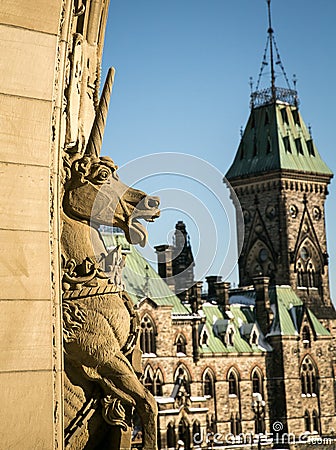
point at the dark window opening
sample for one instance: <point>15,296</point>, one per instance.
<point>196,431</point>
<point>181,344</point>
<point>230,337</point>
<point>147,340</point>
<point>171,436</point>
<point>284,116</point>
<point>184,433</point>
<point>255,150</point>
<point>257,383</point>
<point>310,147</point>
<point>307,421</point>
<point>306,337</point>
<point>269,145</point>
<point>242,152</point>
<point>298,145</point>
<point>287,144</point>
<point>235,424</point>
<point>267,121</point>
<point>208,385</point>
<point>309,379</point>
<point>158,383</point>
<point>148,381</point>
<point>316,422</point>
<point>233,384</point>
<point>296,116</point>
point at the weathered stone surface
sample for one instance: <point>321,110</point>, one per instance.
<point>27,63</point>
<point>25,409</point>
<point>25,335</point>
<point>24,274</point>
<point>100,325</point>
<point>39,15</point>
<point>25,130</point>
<point>28,211</point>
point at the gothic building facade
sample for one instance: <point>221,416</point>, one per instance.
<point>254,364</point>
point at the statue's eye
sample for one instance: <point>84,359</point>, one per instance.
<point>103,174</point>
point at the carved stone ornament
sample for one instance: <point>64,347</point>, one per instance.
<point>101,327</point>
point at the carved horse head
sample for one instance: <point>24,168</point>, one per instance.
<point>94,193</point>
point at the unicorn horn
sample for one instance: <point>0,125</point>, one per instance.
<point>97,131</point>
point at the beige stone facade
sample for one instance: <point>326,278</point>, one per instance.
<point>36,44</point>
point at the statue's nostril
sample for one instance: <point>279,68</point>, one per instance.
<point>153,202</point>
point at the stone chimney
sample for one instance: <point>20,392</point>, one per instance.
<point>195,297</point>
<point>211,280</point>
<point>165,264</point>
<point>264,314</point>
<point>222,294</point>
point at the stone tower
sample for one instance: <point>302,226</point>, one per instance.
<point>176,262</point>
<point>282,183</point>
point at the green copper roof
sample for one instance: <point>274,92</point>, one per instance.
<point>289,311</point>
<point>276,138</point>
<point>217,322</point>
<point>141,279</point>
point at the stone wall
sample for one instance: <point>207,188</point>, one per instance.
<point>30,334</point>
<point>36,44</point>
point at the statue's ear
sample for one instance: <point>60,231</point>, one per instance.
<point>81,168</point>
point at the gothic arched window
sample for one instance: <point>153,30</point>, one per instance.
<point>184,433</point>
<point>196,431</point>
<point>309,377</point>
<point>307,421</point>
<point>148,380</point>
<point>208,383</point>
<point>257,382</point>
<point>308,266</point>
<point>158,383</point>
<point>182,377</point>
<point>181,344</point>
<point>171,436</point>
<point>316,421</point>
<point>233,383</point>
<point>147,339</point>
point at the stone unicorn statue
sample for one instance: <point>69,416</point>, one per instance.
<point>100,325</point>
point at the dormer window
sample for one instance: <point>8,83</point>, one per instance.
<point>296,116</point>
<point>269,145</point>
<point>254,338</point>
<point>230,337</point>
<point>204,337</point>
<point>284,116</point>
<point>299,147</point>
<point>255,150</point>
<point>287,144</point>
<point>310,147</point>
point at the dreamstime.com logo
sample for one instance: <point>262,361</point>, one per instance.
<point>278,436</point>
<point>190,189</point>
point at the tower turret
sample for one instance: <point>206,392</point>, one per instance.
<point>282,183</point>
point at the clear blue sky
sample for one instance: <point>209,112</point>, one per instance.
<point>182,85</point>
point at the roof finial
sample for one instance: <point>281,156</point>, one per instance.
<point>270,33</point>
